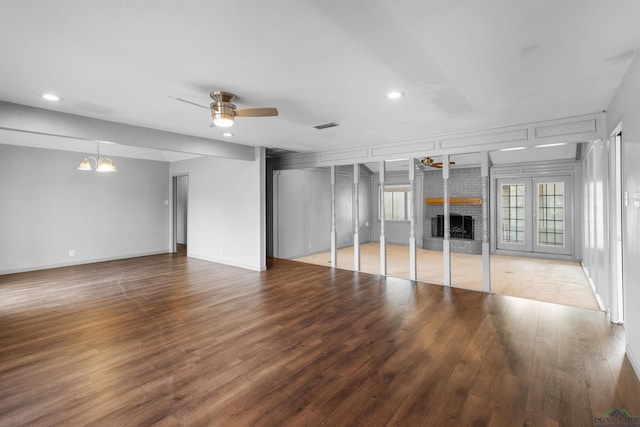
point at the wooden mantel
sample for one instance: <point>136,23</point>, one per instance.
<point>454,201</point>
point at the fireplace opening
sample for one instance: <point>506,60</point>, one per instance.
<point>461,226</point>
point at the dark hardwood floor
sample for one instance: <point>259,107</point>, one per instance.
<point>169,340</point>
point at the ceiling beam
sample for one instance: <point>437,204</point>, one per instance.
<point>38,121</point>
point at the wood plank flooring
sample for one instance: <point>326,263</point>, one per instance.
<point>170,341</point>
<point>557,281</point>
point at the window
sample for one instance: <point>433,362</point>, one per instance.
<point>397,202</point>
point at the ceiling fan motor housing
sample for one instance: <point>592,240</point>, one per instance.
<point>222,110</point>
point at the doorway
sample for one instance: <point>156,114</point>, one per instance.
<point>180,188</point>
<point>534,215</point>
<point>618,312</point>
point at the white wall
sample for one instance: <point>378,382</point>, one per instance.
<point>226,210</point>
<point>596,238</point>
<point>49,207</point>
<point>625,108</point>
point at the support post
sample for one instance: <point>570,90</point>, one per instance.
<point>383,242</point>
<point>446,249</point>
<point>356,217</point>
<point>486,255</point>
<point>413,266</point>
<point>334,231</point>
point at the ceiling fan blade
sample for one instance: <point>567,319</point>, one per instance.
<point>257,112</point>
<point>189,102</point>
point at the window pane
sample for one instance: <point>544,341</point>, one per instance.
<point>398,206</point>
<point>513,213</point>
<point>551,213</point>
<point>397,202</point>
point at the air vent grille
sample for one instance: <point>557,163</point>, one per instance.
<point>326,125</point>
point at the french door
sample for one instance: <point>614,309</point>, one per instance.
<point>534,215</point>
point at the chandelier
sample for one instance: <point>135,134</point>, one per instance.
<point>102,164</point>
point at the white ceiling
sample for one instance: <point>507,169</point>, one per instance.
<point>463,65</point>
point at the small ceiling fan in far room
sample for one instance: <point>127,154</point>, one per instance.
<point>224,112</point>
<point>428,161</point>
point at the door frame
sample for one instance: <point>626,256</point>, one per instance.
<point>174,211</point>
<point>618,200</point>
<point>527,244</point>
<point>567,248</point>
<point>537,170</point>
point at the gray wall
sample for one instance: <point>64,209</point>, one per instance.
<point>49,208</point>
<point>463,182</point>
<point>302,199</point>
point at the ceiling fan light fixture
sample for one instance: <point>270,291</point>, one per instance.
<point>428,161</point>
<point>222,114</point>
<point>222,120</point>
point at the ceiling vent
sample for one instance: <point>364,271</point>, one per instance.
<point>326,125</point>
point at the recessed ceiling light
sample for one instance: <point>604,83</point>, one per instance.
<point>394,95</point>
<point>51,97</point>
<point>227,134</point>
<point>513,148</point>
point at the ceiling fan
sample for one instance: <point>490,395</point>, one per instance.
<point>223,111</point>
<point>428,161</point>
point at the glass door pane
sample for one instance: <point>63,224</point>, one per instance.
<point>514,224</point>
<point>513,213</point>
<point>551,214</point>
<point>552,219</point>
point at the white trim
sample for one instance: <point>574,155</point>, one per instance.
<point>593,289</point>
<point>616,225</point>
<point>563,130</point>
<point>88,261</point>
<point>227,262</point>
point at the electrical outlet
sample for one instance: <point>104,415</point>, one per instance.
<point>72,252</point>
<point>166,203</point>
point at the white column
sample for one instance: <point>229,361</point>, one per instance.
<point>413,267</point>
<point>383,242</point>
<point>446,250</point>
<point>356,217</point>
<point>334,231</point>
<point>486,258</point>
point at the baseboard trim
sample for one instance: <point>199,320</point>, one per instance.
<point>227,262</point>
<point>593,289</point>
<point>82,262</point>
